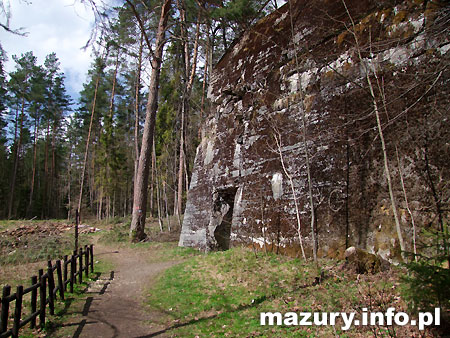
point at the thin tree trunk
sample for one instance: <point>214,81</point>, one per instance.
<point>158,203</point>
<point>205,74</point>
<point>137,227</point>
<point>305,144</point>
<point>33,175</point>
<point>86,152</point>
<point>137,110</point>
<point>114,204</point>
<point>380,132</point>
<point>186,176</point>
<point>347,196</point>
<point>16,161</point>
<point>100,205</point>
<point>109,137</point>
<point>189,76</point>
<point>152,182</point>
<point>291,182</point>
<point>53,175</point>
<point>166,206</point>
<point>69,184</point>
<point>45,195</point>
<point>180,165</point>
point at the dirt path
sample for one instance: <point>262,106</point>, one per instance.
<point>113,307</point>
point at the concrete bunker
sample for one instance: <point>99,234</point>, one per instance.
<point>222,216</point>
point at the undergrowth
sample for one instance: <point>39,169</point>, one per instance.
<point>222,294</point>
<point>34,249</point>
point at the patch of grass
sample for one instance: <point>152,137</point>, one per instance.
<point>34,249</point>
<point>118,233</point>
<point>222,295</point>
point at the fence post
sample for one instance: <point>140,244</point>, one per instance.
<point>65,272</point>
<point>92,257</point>
<point>80,268</point>
<point>77,220</point>
<point>86,261</point>
<point>73,262</point>
<point>34,281</point>
<point>51,287</point>
<point>43,298</point>
<point>17,312</point>
<point>60,279</point>
<point>5,309</point>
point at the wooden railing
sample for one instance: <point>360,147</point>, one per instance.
<point>68,273</point>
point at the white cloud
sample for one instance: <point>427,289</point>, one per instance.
<point>60,26</point>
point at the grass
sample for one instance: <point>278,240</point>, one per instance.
<point>118,229</point>
<point>222,294</point>
<point>32,241</point>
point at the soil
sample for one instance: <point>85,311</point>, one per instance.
<point>114,305</point>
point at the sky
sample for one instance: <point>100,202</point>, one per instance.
<point>60,26</point>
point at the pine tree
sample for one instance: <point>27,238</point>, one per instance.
<point>20,89</point>
<point>3,139</point>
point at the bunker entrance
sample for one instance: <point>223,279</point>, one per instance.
<point>223,208</point>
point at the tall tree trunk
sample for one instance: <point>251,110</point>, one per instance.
<point>158,202</point>
<point>69,183</point>
<point>45,190</point>
<point>53,176</point>
<point>86,152</point>
<point>387,171</point>
<point>205,76</point>
<point>136,108</point>
<point>16,161</point>
<point>152,182</point>
<point>33,175</point>
<point>181,165</point>
<point>137,227</point>
<point>189,77</point>
<point>305,144</point>
<point>166,206</point>
<point>109,184</point>
<point>100,205</point>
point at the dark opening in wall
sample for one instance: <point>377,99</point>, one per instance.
<point>223,207</point>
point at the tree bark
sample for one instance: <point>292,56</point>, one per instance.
<point>136,108</point>
<point>189,76</point>
<point>16,161</point>
<point>45,193</point>
<point>137,227</point>
<point>80,197</point>
<point>33,175</point>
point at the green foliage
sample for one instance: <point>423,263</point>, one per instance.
<point>428,278</point>
<point>241,14</point>
<point>221,294</point>
<point>35,105</point>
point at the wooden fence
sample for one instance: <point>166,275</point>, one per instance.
<point>68,273</point>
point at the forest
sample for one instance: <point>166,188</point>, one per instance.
<point>58,156</point>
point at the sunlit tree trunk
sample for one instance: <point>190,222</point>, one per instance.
<point>137,228</point>
<point>136,107</point>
